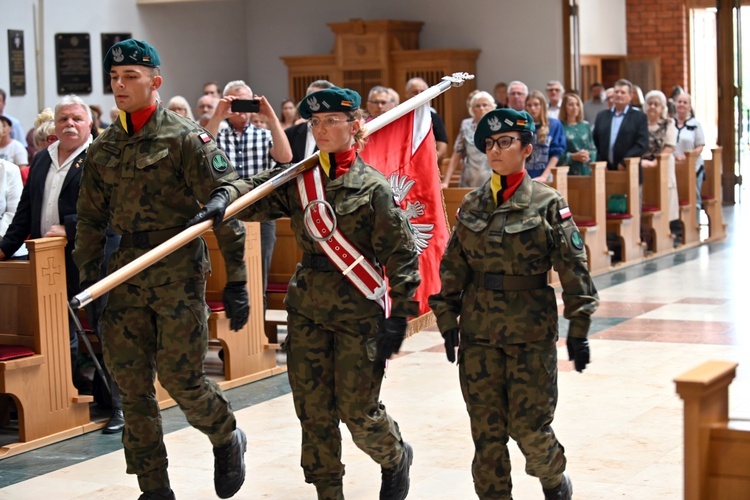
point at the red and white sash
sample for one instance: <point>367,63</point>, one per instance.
<point>321,225</point>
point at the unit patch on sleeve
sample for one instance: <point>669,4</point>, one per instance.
<point>204,137</point>
<point>565,213</point>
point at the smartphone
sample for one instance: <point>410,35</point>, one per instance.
<point>246,105</point>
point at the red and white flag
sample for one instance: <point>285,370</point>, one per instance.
<point>404,151</point>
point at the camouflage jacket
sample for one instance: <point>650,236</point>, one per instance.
<point>371,220</point>
<point>153,181</point>
<point>527,235</point>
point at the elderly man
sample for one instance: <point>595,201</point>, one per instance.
<point>517,94</point>
<point>416,86</point>
<point>555,92</point>
<point>48,201</point>
<point>251,150</point>
<point>379,100</point>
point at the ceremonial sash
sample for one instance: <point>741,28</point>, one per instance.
<point>321,226</point>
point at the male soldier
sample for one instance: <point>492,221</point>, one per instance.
<point>144,176</point>
<point>509,233</point>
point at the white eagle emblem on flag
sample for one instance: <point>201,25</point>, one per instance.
<point>401,186</point>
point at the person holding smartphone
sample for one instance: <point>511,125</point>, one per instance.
<point>251,149</point>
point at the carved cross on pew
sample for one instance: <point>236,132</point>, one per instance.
<point>51,270</point>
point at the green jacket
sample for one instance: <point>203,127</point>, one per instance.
<point>154,181</point>
<point>527,235</point>
<point>371,220</point>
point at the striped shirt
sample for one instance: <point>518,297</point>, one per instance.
<point>249,150</point>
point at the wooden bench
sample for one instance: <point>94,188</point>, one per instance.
<point>686,191</point>
<point>34,314</point>
<point>711,196</point>
<point>717,448</point>
<point>286,256</point>
<point>626,227</point>
<point>586,197</point>
<point>655,207</point>
<point>246,354</point>
<point>453,196</point>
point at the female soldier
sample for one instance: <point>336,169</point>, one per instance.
<point>508,235</point>
<point>338,334</point>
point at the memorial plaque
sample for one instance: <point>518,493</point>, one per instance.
<point>16,63</point>
<point>73,62</point>
<point>108,40</point>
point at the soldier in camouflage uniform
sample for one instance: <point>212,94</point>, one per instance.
<point>144,176</point>
<point>338,340</point>
<point>509,233</point>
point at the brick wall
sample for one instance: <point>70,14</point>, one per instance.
<point>659,28</point>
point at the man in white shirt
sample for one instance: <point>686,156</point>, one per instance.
<point>555,91</point>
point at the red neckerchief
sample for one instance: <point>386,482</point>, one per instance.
<point>508,185</point>
<point>133,122</point>
<point>337,164</point>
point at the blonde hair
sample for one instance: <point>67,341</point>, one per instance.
<point>542,128</point>
<point>359,137</point>
<point>563,117</point>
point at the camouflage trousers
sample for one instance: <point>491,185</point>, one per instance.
<point>511,391</point>
<point>162,328</point>
<point>334,377</point>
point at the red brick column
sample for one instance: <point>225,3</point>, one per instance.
<point>659,28</point>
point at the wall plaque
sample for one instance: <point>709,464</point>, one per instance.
<point>108,40</point>
<point>73,62</point>
<point>16,63</point>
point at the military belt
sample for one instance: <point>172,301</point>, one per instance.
<point>507,282</point>
<point>148,239</point>
<point>319,262</point>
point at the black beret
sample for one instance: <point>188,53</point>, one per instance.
<point>131,52</point>
<point>501,120</point>
<point>328,101</point>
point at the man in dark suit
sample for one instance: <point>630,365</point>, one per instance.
<point>299,135</point>
<point>621,132</point>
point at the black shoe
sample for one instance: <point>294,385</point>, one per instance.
<point>395,480</point>
<point>564,490</point>
<point>116,422</point>
<point>229,465</point>
<point>160,494</point>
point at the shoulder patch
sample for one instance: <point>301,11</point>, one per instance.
<point>576,239</point>
<point>204,137</point>
<point>219,163</point>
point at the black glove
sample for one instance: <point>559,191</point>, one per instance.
<point>451,342</point>
<point>390,335</point>
<point>214,209</point>
<point>236,304</point>
<point>578,351</point>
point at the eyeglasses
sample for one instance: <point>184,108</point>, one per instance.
<point>51,138</point>
<point>554,90</point>
<point>503,142</point>
<point>379,103</point>
<point>328,121</point>
<point>516,94</point>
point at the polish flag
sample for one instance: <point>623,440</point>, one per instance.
<point>404,151</point>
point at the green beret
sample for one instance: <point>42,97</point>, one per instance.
<point>328,101</point>
<point>501,120</point>
<point>131,52</point>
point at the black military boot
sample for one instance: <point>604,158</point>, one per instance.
<point>564,490</point>
<point>395,480</point>
<point>229,465</point>
<point>160,494</point>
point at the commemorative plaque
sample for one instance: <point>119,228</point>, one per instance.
<point>16,63</point>
<point>73,62</point>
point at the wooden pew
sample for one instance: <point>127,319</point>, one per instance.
<point>453,197</point>
<point>686,190</point>
<point>586,197</point>
<point>248,355</point>
<point>711,196</point>
<point>655,203</point>
<point>626,226</point>
<point>717,448</point>
<point>286,255</point>
<point>34,314</point>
